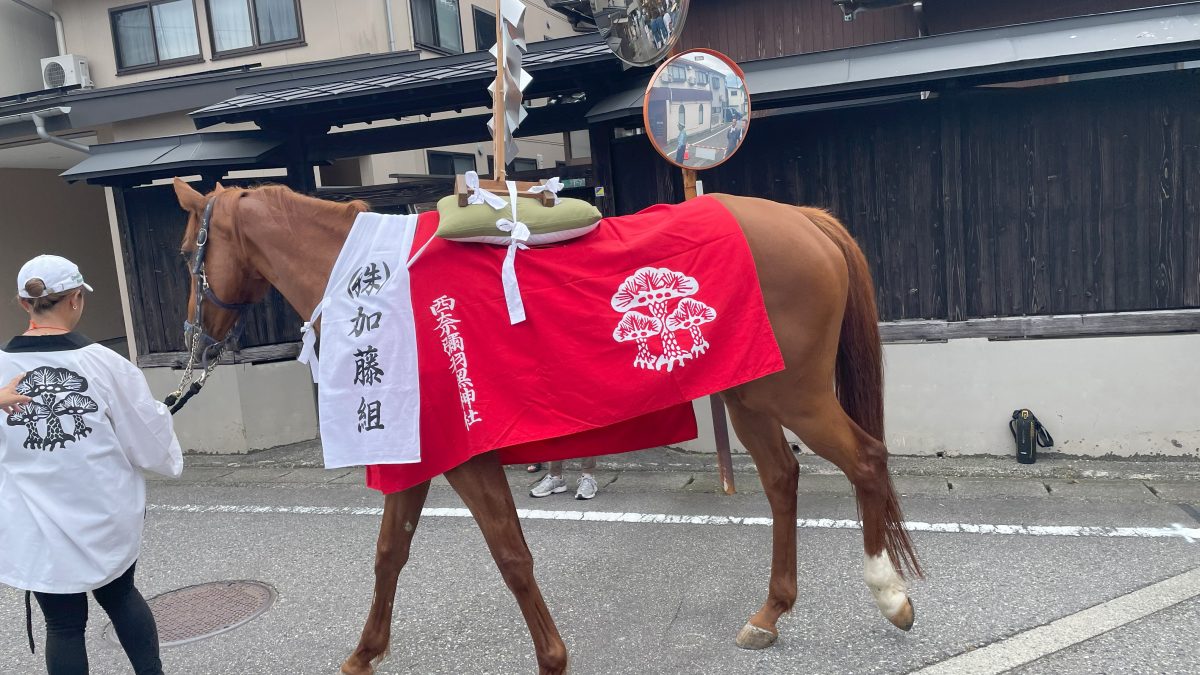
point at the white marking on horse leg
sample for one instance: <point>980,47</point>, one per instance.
<point>887,586</point>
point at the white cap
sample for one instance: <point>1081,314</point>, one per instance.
<point>56,272</point>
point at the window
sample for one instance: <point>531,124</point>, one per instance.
<point>515,166</point>
<point>701,120</point>
<point>153,34</point>
<point>450,163</point>
<point>523,164</point>
<point>253,25</point>
<point>436,25</point>
<point>485,29</point>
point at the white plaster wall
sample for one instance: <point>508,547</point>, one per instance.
<point>243,407</point>
<point>331,29</point>
<point>41,213</point>
<point>1121,396</point>
<point>26,38</point>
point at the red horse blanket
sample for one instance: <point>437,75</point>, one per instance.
<point>625,327</point>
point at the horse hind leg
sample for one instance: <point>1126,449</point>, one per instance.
<point>829,432</point>
<point>779,471</point>
<point>484,489</point>
<point>401,511</point>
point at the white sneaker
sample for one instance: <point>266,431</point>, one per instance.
<point>549,485</point>
<point>586,488</point>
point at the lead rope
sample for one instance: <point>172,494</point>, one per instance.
<point>29,622</point>
<point>187,387</point>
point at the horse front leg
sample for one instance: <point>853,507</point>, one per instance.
<point>401,512</point>
<point>484,489</point>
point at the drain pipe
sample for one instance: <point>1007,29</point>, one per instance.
<point>59,33</point>
<point>39,124</point>
<point>387,9</point>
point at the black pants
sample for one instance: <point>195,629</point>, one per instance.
<point>66,618</point>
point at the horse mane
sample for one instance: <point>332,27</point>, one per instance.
<point>289,203</point>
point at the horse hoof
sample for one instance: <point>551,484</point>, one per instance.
<point>349,667</point>
<point>905,617</point>
<point>753,637</point>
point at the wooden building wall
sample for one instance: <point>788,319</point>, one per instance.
<point>757,29</point>
<point>949,16</point>
<point>1072,198</point>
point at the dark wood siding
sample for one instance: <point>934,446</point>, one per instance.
<point>153,224</point>
<point>757,29</point>
<point>1076,197</point>
<point>948,16</point>
<point>1072,198</point>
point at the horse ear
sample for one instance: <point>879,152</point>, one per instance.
<point>219,186</point>
<point>188,198</point>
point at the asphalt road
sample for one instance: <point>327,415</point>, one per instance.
<point>668,597</point>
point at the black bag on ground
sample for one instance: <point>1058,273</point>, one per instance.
<point>1029,434</point>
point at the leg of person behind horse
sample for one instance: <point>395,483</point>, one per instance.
<point>778,470</point>
<point>484,489</point>
<point>401,512</point>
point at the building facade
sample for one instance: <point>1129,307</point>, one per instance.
<point>1003,184</point>
<point>184,55</point>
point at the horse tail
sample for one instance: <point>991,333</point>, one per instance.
<point>859,375</point>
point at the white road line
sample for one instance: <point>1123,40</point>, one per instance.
<point>1191,535</point>
<point>1036,643</point>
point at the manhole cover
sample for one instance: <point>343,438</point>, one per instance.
<point>202,611</point>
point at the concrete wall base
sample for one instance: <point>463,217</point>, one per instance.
<point>1110,396</point>
<point>243,408</point>
<point>1114,396</point>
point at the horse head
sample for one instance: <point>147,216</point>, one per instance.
<point>225,280</point>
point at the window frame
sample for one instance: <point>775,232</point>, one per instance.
<point>524,159</point>
<point>430,154</point>
<point>491,160</point>
<point>476,10</point>
<point>257,47</point>
<point>158,63</point>
<point>437,49</point>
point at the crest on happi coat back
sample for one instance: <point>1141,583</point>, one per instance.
<point>670,308</point>
<point>57,394</point>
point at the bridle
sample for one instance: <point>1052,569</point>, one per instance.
<point>198,341</point>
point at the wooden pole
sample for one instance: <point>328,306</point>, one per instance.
<point>716,405</point>
<point>498,121</point>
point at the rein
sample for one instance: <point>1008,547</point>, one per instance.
<point>198,341</point>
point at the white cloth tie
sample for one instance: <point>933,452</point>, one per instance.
<point>552,186</point>
<point>479,195</point>
<point>308,340</point>
<point>518,235</point>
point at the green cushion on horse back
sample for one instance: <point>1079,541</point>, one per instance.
<point>568,219</point>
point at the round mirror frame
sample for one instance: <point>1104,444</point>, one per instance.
<point>665,50</point>
<point>733,66</point>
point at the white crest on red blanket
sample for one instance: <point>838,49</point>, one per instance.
<point>667,294</point>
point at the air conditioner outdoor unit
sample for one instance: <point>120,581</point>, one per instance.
<point>65,71</point>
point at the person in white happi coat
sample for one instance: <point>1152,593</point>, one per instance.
<point>79,425</point>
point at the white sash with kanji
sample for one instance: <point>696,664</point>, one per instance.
<point>369,392</point>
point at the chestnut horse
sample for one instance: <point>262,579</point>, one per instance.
<point>819,297</point>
